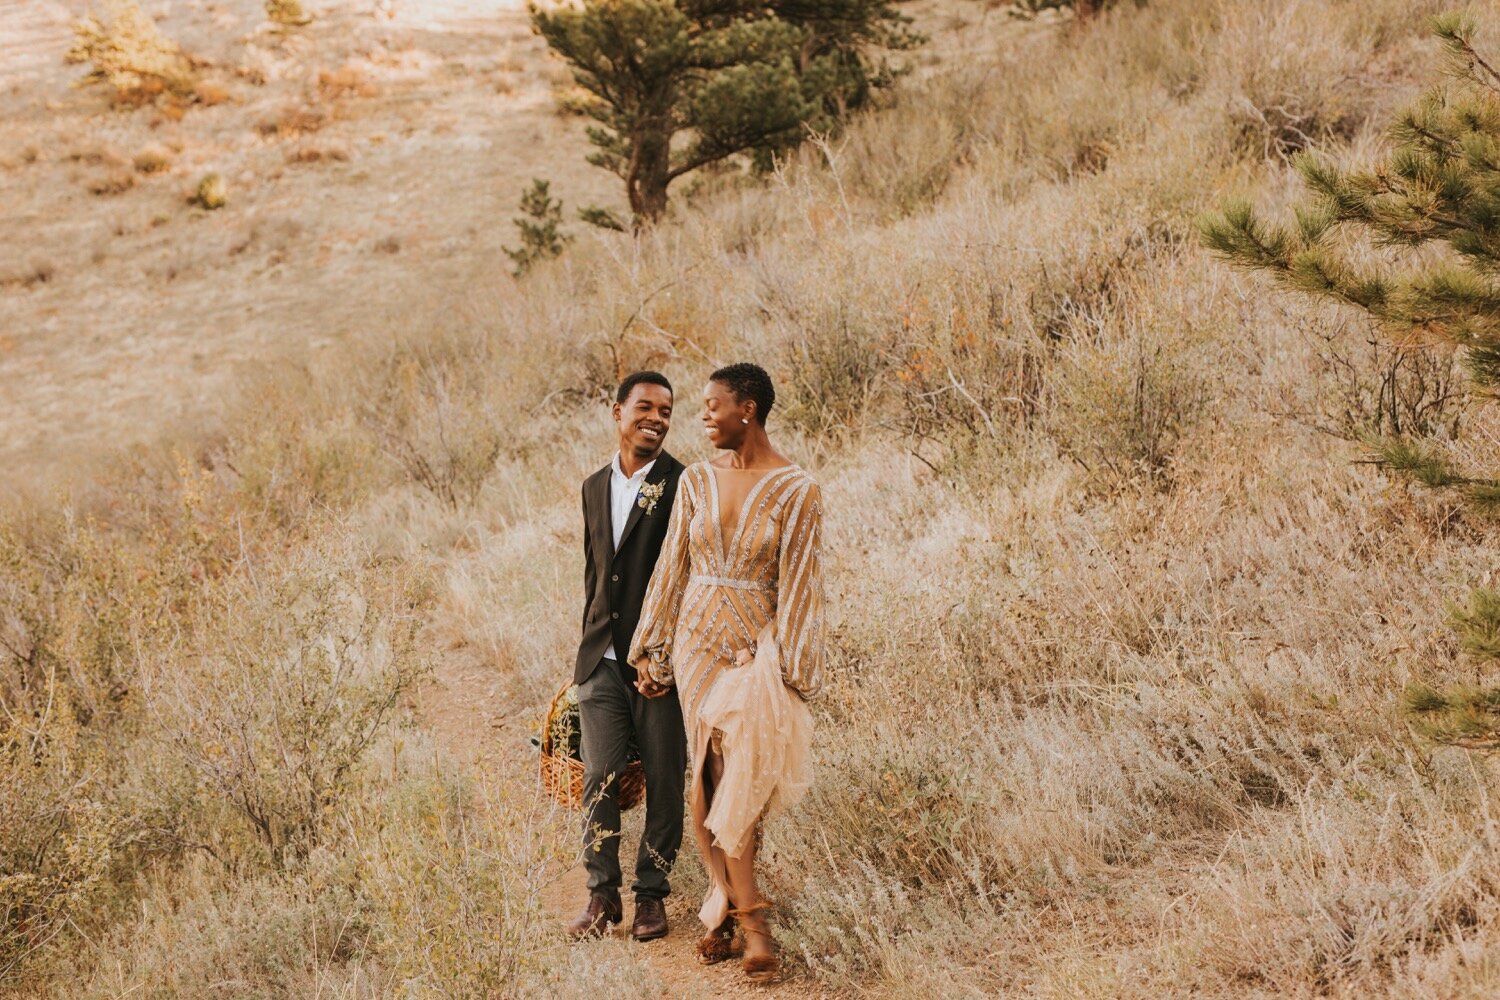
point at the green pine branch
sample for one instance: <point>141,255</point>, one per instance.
<point>1456,30</point>
<point>540,228</point>
<point>1463,716</point>
<point>1241,237</point>
<point>1477,624</point>
<point>1416,460</point>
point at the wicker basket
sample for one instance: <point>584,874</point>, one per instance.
<point>562,773</point>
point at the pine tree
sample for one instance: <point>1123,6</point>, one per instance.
<point>1435,204</point>
<point>675,85</point>
<point>541,232</point>
<point>1082,9</point>
<point>836,60</point>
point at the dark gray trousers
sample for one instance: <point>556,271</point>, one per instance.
<point>610,711</point>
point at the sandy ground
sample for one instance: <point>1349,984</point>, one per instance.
<point>373,159</point>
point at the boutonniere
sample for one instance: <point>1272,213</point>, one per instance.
<point>649,494</point>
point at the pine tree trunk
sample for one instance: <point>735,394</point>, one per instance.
<point>647,176</point>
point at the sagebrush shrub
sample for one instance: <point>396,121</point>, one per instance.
<point>129,53</point>
<point>429,419</point>
<point>287,12</point>
<point>1122,408</point>
<point>275,720</point>
<point>60,832</point>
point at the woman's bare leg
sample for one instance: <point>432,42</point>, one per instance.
<point>744,895</point>
<point>718,944</point>
<point>713,773</point>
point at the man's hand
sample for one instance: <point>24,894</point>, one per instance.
<point>649,688</point>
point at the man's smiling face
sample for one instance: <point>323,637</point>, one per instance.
<point>644,419</point>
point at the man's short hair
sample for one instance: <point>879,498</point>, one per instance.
<point>640,378</point>
<point>748,381</point>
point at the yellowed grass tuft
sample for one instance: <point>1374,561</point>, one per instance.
<point>126,51</point>
<point>287,12</point>
<point>152,159</point>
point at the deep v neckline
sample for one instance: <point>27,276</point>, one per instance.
<point>725,548</point>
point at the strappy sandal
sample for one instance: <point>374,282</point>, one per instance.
<point>720,944</point>
<point>758,968</point>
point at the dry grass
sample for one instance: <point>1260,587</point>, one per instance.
<point>287,12</point>
<point>127,52</point>
<point>1119,634</point>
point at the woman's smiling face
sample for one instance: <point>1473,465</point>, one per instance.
<point>724,416</point>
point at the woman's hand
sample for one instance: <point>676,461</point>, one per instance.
<point>744,657</point>
<point>648,687</point>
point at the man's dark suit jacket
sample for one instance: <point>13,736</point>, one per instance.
<point>615,582</point>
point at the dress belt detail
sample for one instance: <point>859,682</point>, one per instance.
<point>724,581</point>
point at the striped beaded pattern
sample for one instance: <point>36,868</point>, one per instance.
<point>717,584</point>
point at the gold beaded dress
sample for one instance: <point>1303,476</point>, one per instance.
<point>741,569</point>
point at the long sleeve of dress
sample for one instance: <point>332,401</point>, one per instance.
<point>651,648</point>
<point>799,611</point>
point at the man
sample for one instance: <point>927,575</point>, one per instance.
<point>626,506</point>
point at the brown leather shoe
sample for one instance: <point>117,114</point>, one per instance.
<point>596,917</point>
<point>650,920</point>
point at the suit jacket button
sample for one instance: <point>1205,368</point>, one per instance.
<point>614,614</point>
<point>616,578</point>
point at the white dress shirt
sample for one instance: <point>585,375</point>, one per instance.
<point>623,492</point>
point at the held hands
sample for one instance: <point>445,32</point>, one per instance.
<point>648,687</point>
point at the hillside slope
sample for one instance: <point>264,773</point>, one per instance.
<point>373,161</point>
<point>1119,620</point>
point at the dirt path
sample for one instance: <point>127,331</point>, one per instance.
<point>472,721</point>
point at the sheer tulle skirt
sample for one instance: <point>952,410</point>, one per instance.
<point>764,731</point>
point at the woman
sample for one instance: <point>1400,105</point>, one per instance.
<point>734,620</point>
